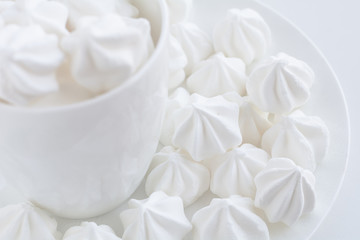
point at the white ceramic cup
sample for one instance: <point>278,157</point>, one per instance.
<point>83,160</point>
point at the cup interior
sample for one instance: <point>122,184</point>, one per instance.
<point>157,13</point>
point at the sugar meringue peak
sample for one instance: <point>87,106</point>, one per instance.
<point>90,231</point>
<point>94,8</point>
<point>206,127</point>
<point>175,173</point>
<point>231,219</point>
<point>196,44</point>
<point>217,75</point>
<point>304,139</point>
<point>105,51</point>
<point>243,33</point>
<point>285,191</point>
<point>29,60</point>
<point>280,84</point>
<point>25,221</point>
<point>236,171</point>
<point>158,217</point>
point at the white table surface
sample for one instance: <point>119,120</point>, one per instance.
<point>333,26</point>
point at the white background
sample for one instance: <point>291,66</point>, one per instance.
<point>334,26</point>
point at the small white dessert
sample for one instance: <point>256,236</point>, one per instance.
<point>50,15</point>
<point>303,139</point>
<point>90,231</point>
<point>158,217</point>
<point>179,10</point>
<point>176,174</point>
<point>236,172</point>
<point>26,222</point>
<point>195,42</point>
<point>207,127</point>
<point>96,8</point>
<point>217,75</point>
<point>107,50</point>
<point>280,84</point>
<point>29,60</point>
<point>243,34</point>
<point>285,191</point>
<point>177,63</point>
<point>253,122</point>
<point>231,219</point>
<point>178,99</point>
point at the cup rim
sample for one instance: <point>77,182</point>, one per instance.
<point>161,43</point>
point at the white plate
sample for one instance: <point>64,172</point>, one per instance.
<point>327,101</point>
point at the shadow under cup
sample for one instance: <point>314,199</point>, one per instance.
<point>85,159</point>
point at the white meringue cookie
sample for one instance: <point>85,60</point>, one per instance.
<point>195,42</point>
<point>176,174</point>
<point>285,191</point>
<point>237,170</point>
<point>106,51</point>
<point>90,231</point>
<point>96,8</point>
<point>231,219</point>
<point>178,99</point>
<point>177,63</point>
<point>207,127</point>
<point>280,84</point>
<point>158,217</point>
<point>303,139</point>
<point>29,61</point>
<point>26,222</point>
<point>179,10</point>
<point>253,122</point>
<point>243,34</point>
<point>50,15</point>
<point>217,75</point>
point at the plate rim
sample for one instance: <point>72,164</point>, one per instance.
<point>344,102</point>
<point>316,49</point>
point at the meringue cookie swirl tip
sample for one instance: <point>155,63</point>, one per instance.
<point>243,34</point>
<point>236,172</point>
<point>285,191</point>
<point>158,217</point>
<point>176,174</point>
<point>90,231</point>
<point>105,51</point>
<point>196,43</point>
<point>304,139</point>
<point>217,75</point>
<point>50,15</point>
<point>94,8</point>
<point>24,221</point>
<point>207,127</point>
<point>229,218</point>
<point>280,84</point>
<point>28,63</point>
<point>253,122</point>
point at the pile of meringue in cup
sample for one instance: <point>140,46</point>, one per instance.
<point>233,127</point>
<point>56,52</point>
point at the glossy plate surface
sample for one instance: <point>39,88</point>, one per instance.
<point>327,101</point>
